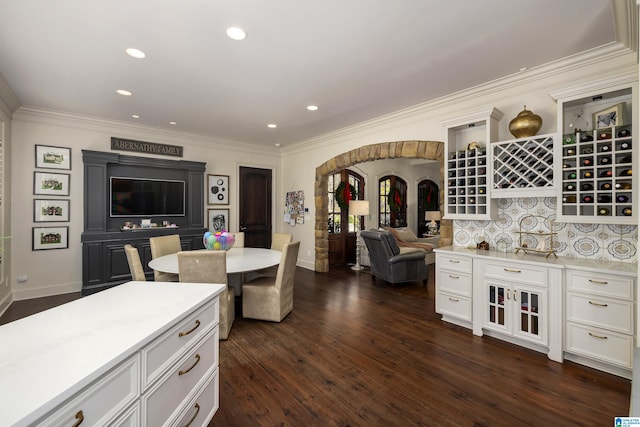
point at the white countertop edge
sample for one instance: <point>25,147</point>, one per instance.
<point>623,268</point>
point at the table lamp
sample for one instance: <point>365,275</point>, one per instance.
<point>358,208</point>
<point>432,216</point>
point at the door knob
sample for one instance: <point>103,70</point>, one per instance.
<point>242,228</point>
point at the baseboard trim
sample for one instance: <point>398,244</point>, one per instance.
<point>46,292</point>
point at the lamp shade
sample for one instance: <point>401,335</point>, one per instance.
<point>359,207</point>
<point>432,215</point>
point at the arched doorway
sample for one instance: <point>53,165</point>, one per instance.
<point>431,150</point>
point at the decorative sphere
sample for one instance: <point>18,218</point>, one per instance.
<point>219,240</point>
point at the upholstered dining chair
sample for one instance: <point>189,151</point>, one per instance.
<point>210,267</point>
<point>268,298</point>
<point>278,240</point>
<point>135,265</point>
<point>164,245</point>
<point>239,235</point>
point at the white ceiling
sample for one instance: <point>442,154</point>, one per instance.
<point>355,59</point>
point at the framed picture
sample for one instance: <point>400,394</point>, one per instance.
<point>49,157</point>
<point>52,184</point>
<point>48,210</point>
<point>218,189</point>
<point>218,219</point>
<point>611,116</point>
<point>50,238</point>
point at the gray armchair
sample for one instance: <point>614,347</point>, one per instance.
<point>389,263</point>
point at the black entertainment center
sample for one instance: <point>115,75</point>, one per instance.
<point>121,189</point>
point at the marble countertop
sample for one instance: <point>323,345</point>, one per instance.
<point>587,264</point>
<point>48,357</point>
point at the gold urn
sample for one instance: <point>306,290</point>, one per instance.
<point>526,123</point>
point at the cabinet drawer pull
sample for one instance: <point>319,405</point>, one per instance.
<point>598,282</point>
<point>598,304</point>
<point>182,334</point>
<point>192,366</point>
<point>194,415</point>
<point>508,293</point>
<point>455,261</point>
<point>454,277</point>
<point>511,270</point>
<point>454,299</point>
<point>600,337</point>
<point>80,418</point>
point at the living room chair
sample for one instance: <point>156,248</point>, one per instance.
<point>210,267</point>
<point>164,245</point>
<point>268,298</point>
<point>389,262</point>
<point>135,265</point>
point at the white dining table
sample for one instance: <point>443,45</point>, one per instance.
<point>239,260</point>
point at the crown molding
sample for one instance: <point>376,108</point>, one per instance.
<point>625,18</point>
<point>493,113</point>
<point>595,86</point>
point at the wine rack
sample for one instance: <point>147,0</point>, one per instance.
<point>597,174</point>
<point>524,164</point>
<point>467,182</point>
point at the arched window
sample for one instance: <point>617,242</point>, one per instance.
<point>338,217</point>
<point>428,200</point>
<point>392,202</point>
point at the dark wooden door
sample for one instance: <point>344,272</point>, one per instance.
<point>255,206</point>
<point>342,228</point>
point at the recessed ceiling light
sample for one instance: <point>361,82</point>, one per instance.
<point>172,123</point>
<point>236,33</point>
<point>136,53</point>
<point>124,92</point>
<point>524,69</point>
<point>312,107</point>
<point>135,116</point>
<point>272,125</point>
<point>277,144</point>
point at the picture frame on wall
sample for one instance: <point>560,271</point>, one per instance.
<point>46,238</point>
<point>50,157</point>
<point>218,220</point>
<point>51,210</point>
<point>218,189</point>
<point>51,184</point>
<point>610,116</point>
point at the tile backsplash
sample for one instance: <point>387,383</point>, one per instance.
<point>600,241</point>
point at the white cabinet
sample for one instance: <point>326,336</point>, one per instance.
<point>468,171</point>
<point>454,288</point>
<point>600,317</point>
<point>142,353</point>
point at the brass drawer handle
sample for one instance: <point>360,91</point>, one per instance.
<point>454,299</point>
<point>598,304</point>
<point>598,282</point>
<point>80,418</point>
<point>192,366</point>
<point>454,277</point>
<point>600,337</point>
<point>510,270</point>
<point>182,334</point>
<point>194,415</point>
<point>455,261</point>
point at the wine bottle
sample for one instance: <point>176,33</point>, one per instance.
<point>585,137</point>
<point>587,199</point>
<point>572,175</point>
<point>452,191</point>
<point>570,152</point>
<point>586,162</point>
<point>622,133</point>
<point>605,147</point>
<point>471,181</point>
<point>605,160</point>
<point>472,190</point>
<point>625,159</point>
<point>622,198</point>
<point>472,200</point>
<point>566,165</point>
<point>604,135</point>
<point>623,186</point>
<point>481,190</point>
<point>481,161</point>
<point>604,198</point>
<point>604,211</point>
<point>606,186</point>
<point>471,162</point>
<point>626,145</point>
<point>587,150</point>
<point>626,172</point>
<point>461,191</point>
<point>627,211</point>
<point>587,174</point>
<point>586,187</point>
<point>569,187</point>
<point>569,139</point>
<point>569,199</point>
<point>452,173</point>
<point>606,174</point>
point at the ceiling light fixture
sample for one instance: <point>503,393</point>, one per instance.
<point>172,123</point>
<point>236,33</point>
<point>277,144</point>
<point>135,53</point>
<point>124,92</point>
<point>524,69</point>
<point>135,116</point>
<point>312,107</point>
<point>272,125</point>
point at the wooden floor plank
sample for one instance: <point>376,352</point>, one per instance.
<point>357,351</point>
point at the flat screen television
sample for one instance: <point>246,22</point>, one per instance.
<point>146,197</point>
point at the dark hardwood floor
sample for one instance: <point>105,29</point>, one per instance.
<point>359,352</point>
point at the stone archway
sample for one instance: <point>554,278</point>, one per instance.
<point>431,150</point>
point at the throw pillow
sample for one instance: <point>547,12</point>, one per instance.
<point>406,235</point>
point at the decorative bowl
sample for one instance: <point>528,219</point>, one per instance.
<point>218,240</point>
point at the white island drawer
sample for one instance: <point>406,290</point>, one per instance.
<point>103,400</point>
<point>454,262</point>
<point>162,352</point>
<point>161,402</point>
<point>516,273</point>
<point>201,410</point>
<point>601,284</point>
<point>602,312</point>
<point>454,305</point>
<point>599,344</point>
<point>455,282</point>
